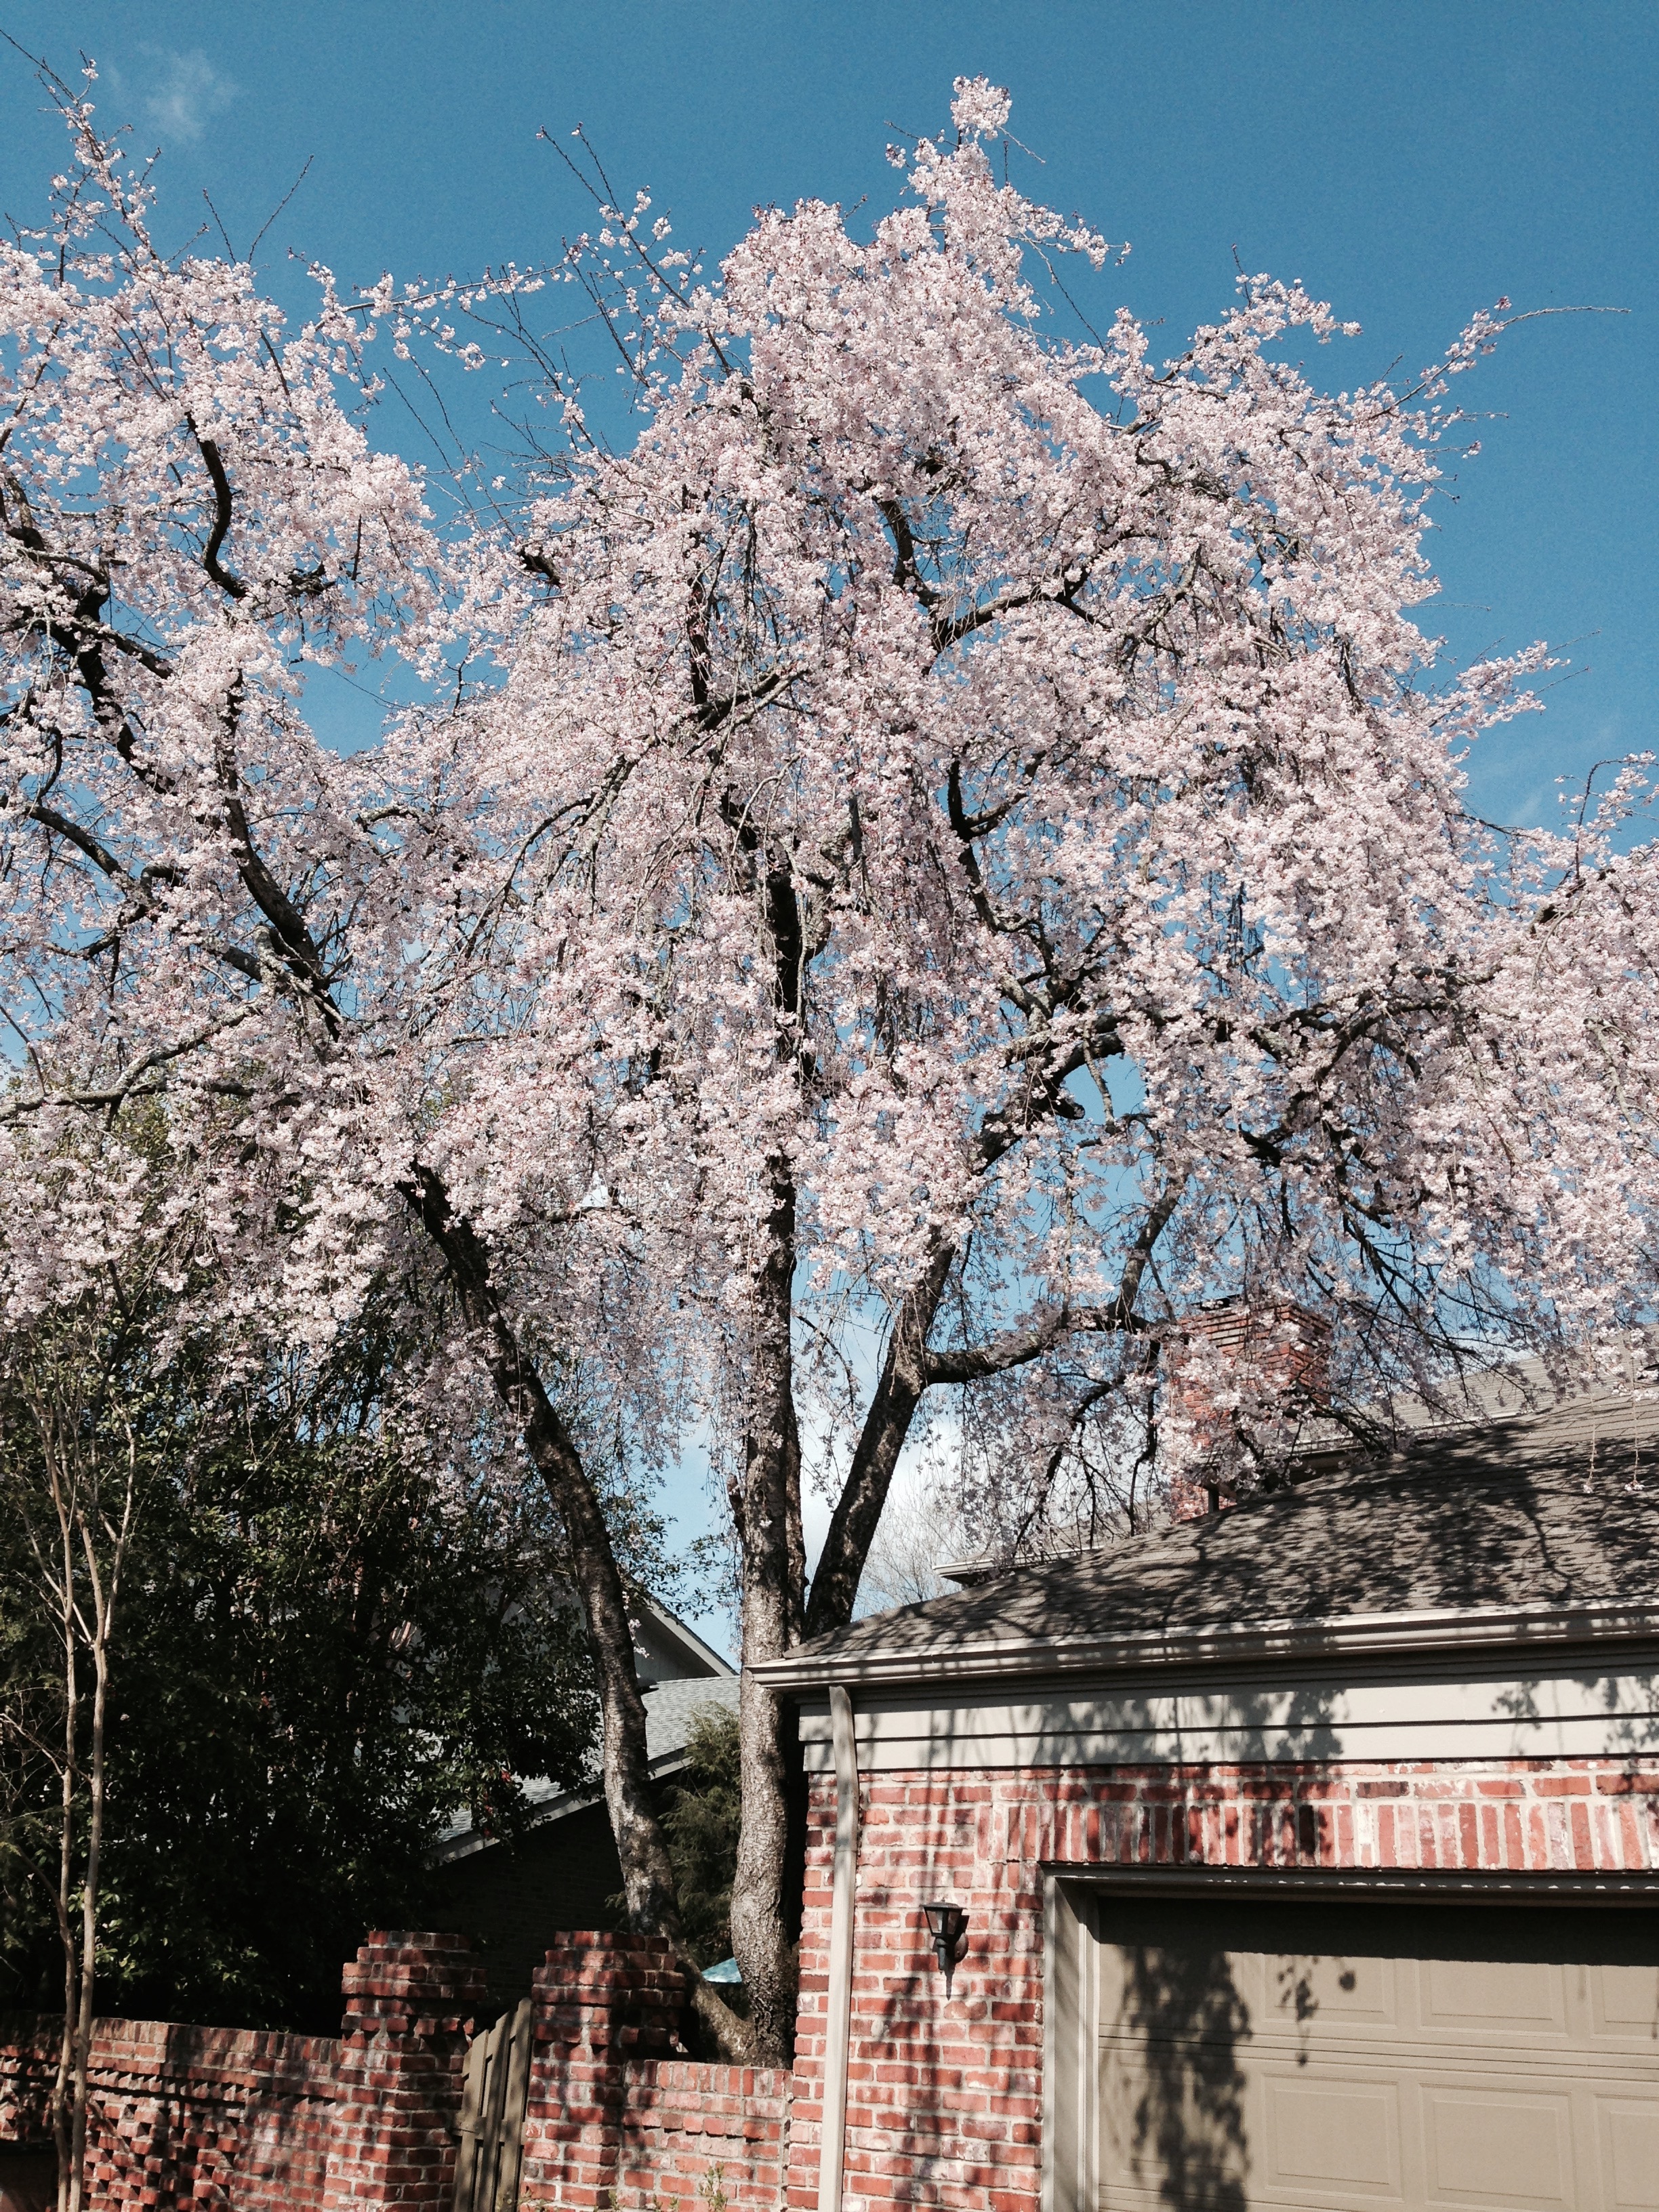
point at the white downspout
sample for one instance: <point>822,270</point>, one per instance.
<point>838,2019</point>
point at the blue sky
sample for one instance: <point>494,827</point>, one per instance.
<point>1410,162</point>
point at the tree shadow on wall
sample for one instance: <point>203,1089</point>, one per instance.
<point>1177,2107</point>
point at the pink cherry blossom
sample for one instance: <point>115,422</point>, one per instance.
<point>950,852</point>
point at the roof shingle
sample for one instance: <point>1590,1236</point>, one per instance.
<point>1557,1510</point>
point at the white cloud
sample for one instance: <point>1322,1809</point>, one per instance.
<point>185,93</point>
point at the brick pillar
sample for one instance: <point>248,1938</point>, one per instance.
<point>409,2003</point>
<point>601,2000</point>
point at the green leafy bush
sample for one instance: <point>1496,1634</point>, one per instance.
<point>326,1647</point>
<point>702,1823</point>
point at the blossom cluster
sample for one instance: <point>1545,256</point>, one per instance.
<point>949,808</point>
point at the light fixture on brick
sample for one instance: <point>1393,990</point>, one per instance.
<point>947,1924</point>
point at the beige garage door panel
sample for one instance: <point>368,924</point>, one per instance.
<point>1349,2058</point>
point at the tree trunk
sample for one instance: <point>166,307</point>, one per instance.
<point>765,1513</point>
<point>62,2105</point>
<point>648,1889</point>
<point>87,1616</point>
<point>82,2041</point>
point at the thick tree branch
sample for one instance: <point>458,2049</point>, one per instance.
<point>647,1874</point>
<point>131,1083</point>
<point>647,1879</point>
<point>83,840</point>
<point>1029,1340</point>
<point>910,1368</point>
<point>857,1511</point>
<point>293,941</point>
<point>226,578</point>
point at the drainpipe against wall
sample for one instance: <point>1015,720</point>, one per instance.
<point>838,2022</point>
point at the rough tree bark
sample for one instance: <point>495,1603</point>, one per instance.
<point>766,1512</point>
<point>852,1525</point>
<point>648,1887</point>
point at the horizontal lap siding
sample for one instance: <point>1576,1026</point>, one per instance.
<point>1489,1711</point>
<point>945,2099</point>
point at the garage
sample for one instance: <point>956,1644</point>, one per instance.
<point>1238,2054</point>
<point>1303,1855</point>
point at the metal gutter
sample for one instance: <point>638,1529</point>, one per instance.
<point>1450,1630</point>
<point>844,1894</point>
<point>1639,1889</point>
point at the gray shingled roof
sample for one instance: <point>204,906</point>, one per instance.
<point>1538,1512</point>
<point>670,1708</point>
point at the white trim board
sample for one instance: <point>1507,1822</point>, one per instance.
<point>1211,1643</point>
<point>1479,1715</point>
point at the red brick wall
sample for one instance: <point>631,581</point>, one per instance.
<point>943,2105</point>
<point>612,2107</point>
<point>186,2115</point>
<point>1280,1356</point>
<point>194,2117</point>
<point>189,2117</point>
<point>943,2100</point>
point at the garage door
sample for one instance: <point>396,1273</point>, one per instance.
<point>1347,2058</point>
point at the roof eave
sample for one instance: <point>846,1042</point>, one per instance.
<point>1356,1635</point>
<point>467,1841</point>
<point>718,1668</point>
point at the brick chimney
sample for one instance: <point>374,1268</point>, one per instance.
<point>1244,1381</point>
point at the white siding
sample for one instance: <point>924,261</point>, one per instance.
<point>1556,1714</point>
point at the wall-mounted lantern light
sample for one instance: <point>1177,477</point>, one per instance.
<point>947,1924</point>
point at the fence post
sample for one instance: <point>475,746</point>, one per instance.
<point>409,2003</point>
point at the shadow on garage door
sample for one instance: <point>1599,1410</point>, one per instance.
<point>1333,2056</point>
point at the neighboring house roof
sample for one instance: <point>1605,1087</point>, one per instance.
<point>669,1710</point>
<point>1546,1524</point>
<point>679,1674</point>
<point>666,1648</point>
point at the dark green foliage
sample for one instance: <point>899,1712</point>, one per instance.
<point>326,1647</point>
<point>702,1823</point>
